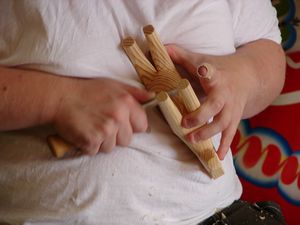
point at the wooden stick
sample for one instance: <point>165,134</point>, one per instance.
<point>170,112</point>
<point>166,78</point>
<point>204,150</point>
<point>162,78</point>
<point>61,148</point>
<point>141,64</point>
<point>158,51</point>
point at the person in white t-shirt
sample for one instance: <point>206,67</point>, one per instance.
<point>61,65</point>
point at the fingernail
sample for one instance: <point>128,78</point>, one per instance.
<point>202,71</point>
<point>205,71</point>
<point>221,156</point>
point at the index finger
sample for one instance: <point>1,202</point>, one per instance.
<point>210,107</point>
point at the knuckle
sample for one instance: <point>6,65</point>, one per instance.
<point>222,124</point>
<point>108,145</point>
<point>190,137</point>
<point>126,99</point>
<point>141,125</point>
<point>124,138</point>
<point>107,127</point>
<point>92,152</point>
<point>197,120</point>
<point>117,114</point>
<point>124,142</point>
<point>203,135</point>
<point>106,149</point>
<point>224,121</point>
<point>197,136</point>
<point>217,104</point>
<point>89,144</point>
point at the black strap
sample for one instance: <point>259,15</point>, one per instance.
<point>244,213</point>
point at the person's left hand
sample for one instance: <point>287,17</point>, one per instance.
<point>227,92</point>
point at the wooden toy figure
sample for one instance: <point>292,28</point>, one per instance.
<point>161,78</point>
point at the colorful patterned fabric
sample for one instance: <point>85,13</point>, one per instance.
<point>266,147</point>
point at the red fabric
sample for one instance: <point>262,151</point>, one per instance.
<point>266,150</point>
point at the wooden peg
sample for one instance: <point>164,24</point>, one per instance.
<point>204,150</point>
<point>160,56</point>
<point>188,96</point>
<point>144,68</point>
<point>162,77</point>
<point>59,147</point>
<point>170,112</point>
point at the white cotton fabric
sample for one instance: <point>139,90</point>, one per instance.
<point>156,180</point>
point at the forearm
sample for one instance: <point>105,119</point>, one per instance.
<point>28,98</point>
<point>264,60</point>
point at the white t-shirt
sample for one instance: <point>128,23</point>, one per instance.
<point>156,180</point>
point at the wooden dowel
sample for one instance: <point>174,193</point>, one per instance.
<point>61,148</point>
<point>160,56</point>
<point>170,112</point>
<point>188,96</point>
<point>159,78</point>
<point>142,65</point>
<point>204,150</point>
<point>167,78</point>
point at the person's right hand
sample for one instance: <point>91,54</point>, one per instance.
<point>98,114</point>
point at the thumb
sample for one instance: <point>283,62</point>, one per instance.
<point>141,95</point>
<point>194,63</point>
<point>182,57</point>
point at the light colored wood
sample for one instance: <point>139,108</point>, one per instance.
<point>162,78</point>
<point>158,52</point>
<point>143,67</point>
<point>204,150</point>
<point>171,112</point>
<point>59,147</point>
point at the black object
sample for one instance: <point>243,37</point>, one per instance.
<point>245,213</point>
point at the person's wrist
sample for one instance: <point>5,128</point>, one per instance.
<point>59,88</point>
